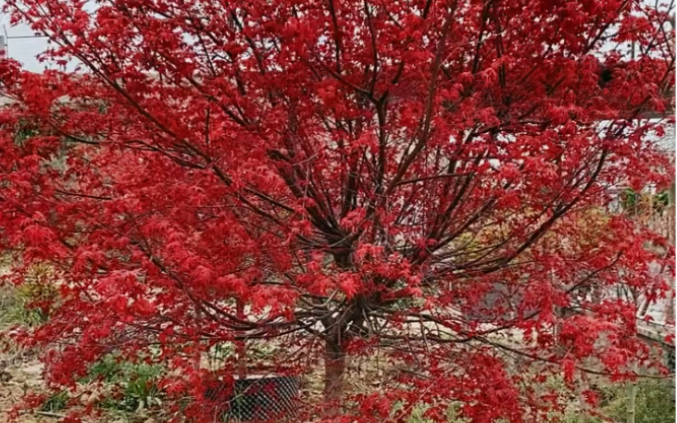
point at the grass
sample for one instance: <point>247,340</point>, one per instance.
<point>30,303</point>
<point>15,309</point>
<point>136,383</point>
<point>56,402</point>
<point>655,402</point>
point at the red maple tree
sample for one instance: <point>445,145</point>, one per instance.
<point>421,179</point>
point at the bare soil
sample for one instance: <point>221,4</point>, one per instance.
<point>17,376</point>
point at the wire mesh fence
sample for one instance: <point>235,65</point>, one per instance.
<point>261,399</point>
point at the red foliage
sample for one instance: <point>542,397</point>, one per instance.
<point>364,173</point>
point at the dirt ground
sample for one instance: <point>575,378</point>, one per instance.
<point>16,377</point>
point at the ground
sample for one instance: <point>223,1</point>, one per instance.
<point>17,375</point>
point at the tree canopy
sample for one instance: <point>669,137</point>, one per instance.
<point>340,178</point>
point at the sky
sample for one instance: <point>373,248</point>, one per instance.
<point>25,50</point>
<point>22,50</point>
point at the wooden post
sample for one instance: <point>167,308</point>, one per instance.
<point>632,396</point>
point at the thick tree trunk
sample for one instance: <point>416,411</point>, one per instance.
<point>334,370</point>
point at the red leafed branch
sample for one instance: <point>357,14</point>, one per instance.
<point>430,180</point>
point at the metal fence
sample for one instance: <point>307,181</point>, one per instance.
<point>262,399</point>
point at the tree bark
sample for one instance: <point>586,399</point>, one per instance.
<point>240,347</point>
<point>334,370</point>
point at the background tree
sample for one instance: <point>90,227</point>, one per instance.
<point>359,173</point>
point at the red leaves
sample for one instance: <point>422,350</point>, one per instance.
<point>202,276</point>
<point>232,283</point>
<point>353,219</point>
<point>289,172</point>
<point>38,235</point>
<point>488,118</point>
<point>9,71</point>
<point>591,397</point>
<point>376,406</point>
<point>143,307</point>
<point>119,304</point>
<point>569,369</point>
<point>350,284</point>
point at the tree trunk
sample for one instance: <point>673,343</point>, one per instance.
<point>334,369</point>
<point>240,347</point>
